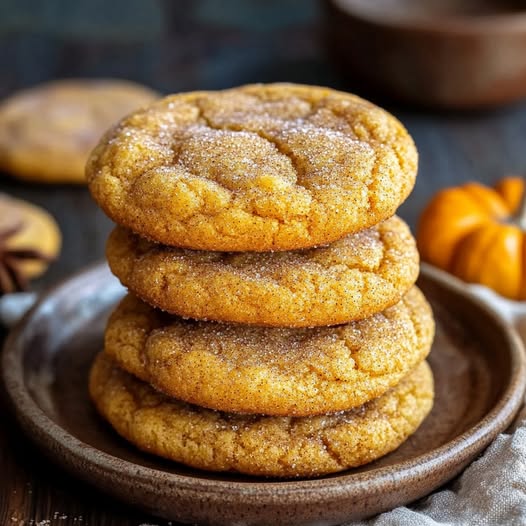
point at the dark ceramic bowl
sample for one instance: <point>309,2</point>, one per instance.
<point>477,360</point>
<point>441,53</point>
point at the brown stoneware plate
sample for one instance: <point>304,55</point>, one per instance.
<point>480,378</point>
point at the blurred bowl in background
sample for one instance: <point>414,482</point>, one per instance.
<point>440,53</point>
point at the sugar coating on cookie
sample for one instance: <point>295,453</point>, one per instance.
<point>350,279</point>
<point>48,131</point>
<point>254,444</point>
<point>270,370</point>
<point>255,168</point>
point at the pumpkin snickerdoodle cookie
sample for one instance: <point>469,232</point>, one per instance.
<point>270,370</point>
<point>254,444</point>
<point>255,168</point>
<point>352,278</point>
<point>48,131</point>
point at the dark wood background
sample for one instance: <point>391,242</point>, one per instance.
<point>183,45</point>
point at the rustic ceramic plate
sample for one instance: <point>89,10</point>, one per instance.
<point>479,372</point>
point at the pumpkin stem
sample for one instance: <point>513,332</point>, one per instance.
<point>520,215</point>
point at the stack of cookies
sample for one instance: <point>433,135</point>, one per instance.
<point>272,326</point>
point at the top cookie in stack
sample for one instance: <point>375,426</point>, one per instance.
<point>257,168</point>
<point>270,206</point>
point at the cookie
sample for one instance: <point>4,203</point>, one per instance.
<point>255,168</point>
<point>48,131</point>
<point>352,278</point>
<point>259,445</point>
<point>270,370</point>
<point>29,240</point>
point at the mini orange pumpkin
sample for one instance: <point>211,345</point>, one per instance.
<point>479,235</point>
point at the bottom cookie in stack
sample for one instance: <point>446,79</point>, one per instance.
<point>275,402</point>
<point>255,444</point>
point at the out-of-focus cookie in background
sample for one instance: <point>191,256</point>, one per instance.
<point>48,131</point>
<point>49,126</point>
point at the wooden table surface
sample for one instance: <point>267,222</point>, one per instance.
<point>201,47</point>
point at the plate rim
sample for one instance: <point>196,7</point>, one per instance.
<point>481,434</point>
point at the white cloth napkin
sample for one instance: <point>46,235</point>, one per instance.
<point>492,490</point>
